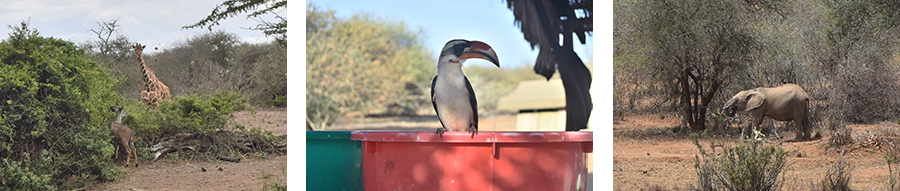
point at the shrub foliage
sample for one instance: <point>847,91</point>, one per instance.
<point>837,177</point>
<point>750,165</point>
<point>53,121</point>
<point>201,114</point>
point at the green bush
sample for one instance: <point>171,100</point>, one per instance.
<point>20,176</point>
<point>53,104</point>
<point>278,101</point>
<point>189,113</point>
<point>748,165</point>
<point>145,122</point>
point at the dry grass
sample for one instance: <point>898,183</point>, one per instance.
<point>837,178</point>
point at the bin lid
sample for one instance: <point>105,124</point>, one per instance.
<point>466,137</point>
<point>343,135</point>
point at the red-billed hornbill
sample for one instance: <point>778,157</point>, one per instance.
<point>451,93</point>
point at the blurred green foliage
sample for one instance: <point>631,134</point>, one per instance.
<point>362,63</point>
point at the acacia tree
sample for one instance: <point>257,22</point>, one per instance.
<point>114,51</point>
<point>231,8</point>
<point>108,45</point>
<point>694,47</point>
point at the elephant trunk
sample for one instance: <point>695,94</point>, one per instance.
<point>730,112</point>
<point>730,108</point>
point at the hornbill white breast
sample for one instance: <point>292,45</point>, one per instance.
<point>451,93</point>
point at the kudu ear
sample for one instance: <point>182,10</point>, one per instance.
<point>113,109</point>
<point>754,100</point>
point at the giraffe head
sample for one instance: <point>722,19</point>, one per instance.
<point>139,49</point>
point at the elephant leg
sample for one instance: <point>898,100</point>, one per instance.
<point>774,128</point>
<point>802,129</point>
<point>801,132</point>
<point>753,126</point>
<point>807,128</point>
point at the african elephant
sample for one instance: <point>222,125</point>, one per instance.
<point>787,102</point>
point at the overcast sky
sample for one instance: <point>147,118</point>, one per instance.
<point>485,20</point>
<point>154,23</point>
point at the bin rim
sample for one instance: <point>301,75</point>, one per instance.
<point>466,137</point>
<point>336,135</point>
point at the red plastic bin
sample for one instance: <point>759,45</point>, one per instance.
<point>422,160</point>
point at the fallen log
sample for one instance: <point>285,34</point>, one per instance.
<point>224,139</point>
<point>171,144</point>
<point>281,146</point>
<point>229,159</point>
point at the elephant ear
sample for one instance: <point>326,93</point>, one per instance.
<point>754,100</point>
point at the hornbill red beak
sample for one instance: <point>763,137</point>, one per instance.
<point>482,50</point>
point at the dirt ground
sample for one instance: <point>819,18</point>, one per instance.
<point>647,155</point>
<point>252,173</point>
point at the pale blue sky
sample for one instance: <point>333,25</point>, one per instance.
<point>487,21</point>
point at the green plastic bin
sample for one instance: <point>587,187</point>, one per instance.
<point>333,161</point>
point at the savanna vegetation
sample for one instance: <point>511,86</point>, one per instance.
<point>686,58</point>
<point>56,95</point>
<point>55,117</point>
<point>377,66</point>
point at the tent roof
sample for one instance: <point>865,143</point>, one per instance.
<point>533,95</point>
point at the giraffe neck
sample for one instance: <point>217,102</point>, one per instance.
<point>147,73</point>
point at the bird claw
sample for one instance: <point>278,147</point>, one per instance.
<point>440,131</point>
